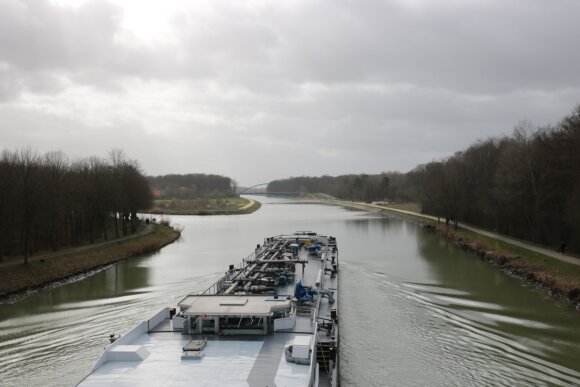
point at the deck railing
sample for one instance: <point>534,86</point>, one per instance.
<point>218,286</point>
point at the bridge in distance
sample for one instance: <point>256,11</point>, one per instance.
<point>248,191</point>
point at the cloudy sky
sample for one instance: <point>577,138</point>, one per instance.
<point>265,89</point>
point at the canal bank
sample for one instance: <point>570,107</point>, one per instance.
<point>232,206</point>
<point>553,272</point>
<point>414,309</point>
<point>71,264</point>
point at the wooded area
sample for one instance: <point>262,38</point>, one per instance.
<point>526,185</point>
<point>363,187</point>
<point>47,201</point>
<point>192,186</point>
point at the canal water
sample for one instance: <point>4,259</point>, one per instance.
<point>414,310</point>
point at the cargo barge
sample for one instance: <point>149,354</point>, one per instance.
<point>271,320</point>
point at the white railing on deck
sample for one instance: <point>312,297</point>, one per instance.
<point>129,337</point>
<point>313,373</point>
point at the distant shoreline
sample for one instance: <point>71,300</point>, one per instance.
<point>250,207</point>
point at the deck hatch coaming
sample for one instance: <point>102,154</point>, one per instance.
<point>226,305</point>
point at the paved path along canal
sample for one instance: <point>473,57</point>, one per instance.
<point>516,242</point>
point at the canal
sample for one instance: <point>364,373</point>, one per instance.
<point>414,310</point>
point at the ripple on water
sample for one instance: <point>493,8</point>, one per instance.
<point>414,311</point>
<point>450,337</point>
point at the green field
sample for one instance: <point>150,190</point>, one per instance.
<point>234,205</point>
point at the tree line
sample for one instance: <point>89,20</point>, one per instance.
<point>48,202</point>
<point>359,187</point>
<point>526,185</point>
<point>192,186</point>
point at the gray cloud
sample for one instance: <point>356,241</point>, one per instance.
<point>35,35</point>
<point>262,90</point>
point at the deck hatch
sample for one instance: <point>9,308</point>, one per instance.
<point>226,305</point>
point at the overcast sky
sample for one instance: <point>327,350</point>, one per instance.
<point>258,90</point>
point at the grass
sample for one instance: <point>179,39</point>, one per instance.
<point>561,277</point>
<point>412,207</point>
<point>19,278</point>
<point>82,245</point>
<point>318,196</point>
<point>234,205</point>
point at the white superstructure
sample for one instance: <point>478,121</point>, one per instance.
<point>270,321</point>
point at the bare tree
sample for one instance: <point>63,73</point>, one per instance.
<point>47,202</point>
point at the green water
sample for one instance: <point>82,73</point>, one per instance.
<point>413,309</point>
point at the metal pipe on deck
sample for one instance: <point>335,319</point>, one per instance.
<point>319,278</point>
<point>328,294</point>
<point>236,284</point>
<point>283,261</point>
<point>231,288</point>
<point>255,277</point>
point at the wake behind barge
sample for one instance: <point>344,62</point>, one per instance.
<point>270,321</point>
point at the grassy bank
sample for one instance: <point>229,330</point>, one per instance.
<point>37,274</point>
<point>560,278</point>
<point>226,206</point>
<point>413,207</point>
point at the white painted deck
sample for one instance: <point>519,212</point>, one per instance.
<point>227,362</point>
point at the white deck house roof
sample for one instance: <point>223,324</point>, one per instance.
<point>197,305</point>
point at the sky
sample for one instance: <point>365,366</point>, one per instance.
<point>266,89</point>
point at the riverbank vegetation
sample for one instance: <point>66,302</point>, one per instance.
<point>560,278</point>
<point>70,263</point>
<point>198,194</point>
<point>526,185</point>
<point>48,202</point>
<point>363,187</point>
<point>205,206</point>
<point>192,186</point>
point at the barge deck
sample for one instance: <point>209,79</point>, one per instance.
<point>270,321</point>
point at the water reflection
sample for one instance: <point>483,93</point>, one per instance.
<point>414,310</point>
<point>375,221</point>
